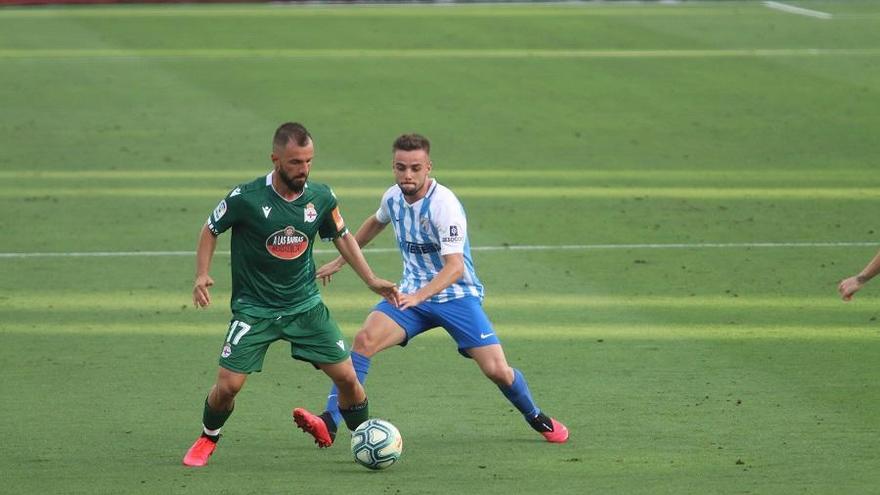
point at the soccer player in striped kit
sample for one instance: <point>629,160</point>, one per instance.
<point>439,288</point>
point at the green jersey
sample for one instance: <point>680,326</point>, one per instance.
<point>273,272</point>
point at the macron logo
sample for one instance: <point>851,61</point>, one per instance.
<point>266,210</point>
<point>235,192</point>
<point>341,344</point>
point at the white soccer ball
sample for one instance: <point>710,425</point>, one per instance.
<point>376,444</point>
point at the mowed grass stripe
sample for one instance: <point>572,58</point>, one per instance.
<point>550,192</point>
<point>435,10</point>
<point>821,176</point>
<point>604,331</point>
<point>111,54</point>
<point>504,248</point>
<point>146,300</point>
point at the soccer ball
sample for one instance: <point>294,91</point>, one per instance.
<point>376,444</point>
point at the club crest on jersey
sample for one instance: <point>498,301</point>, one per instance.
<point>287,244</point>
<point>425,224</point>
<point>310,213</point>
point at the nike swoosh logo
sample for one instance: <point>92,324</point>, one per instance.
<point>485,335</point>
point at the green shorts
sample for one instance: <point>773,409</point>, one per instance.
<point>313,337</point>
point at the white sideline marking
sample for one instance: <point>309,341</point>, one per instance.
<point>548,247</point>
<point>791,9</point>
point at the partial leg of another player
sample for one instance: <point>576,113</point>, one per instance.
<point>512,384</point>
<point>218,407</point>
<point>353,407</point>
<point>379,332</point>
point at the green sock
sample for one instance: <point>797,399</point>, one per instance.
<point>356,414</point>
<point>214,420</point>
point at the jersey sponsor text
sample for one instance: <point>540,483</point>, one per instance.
<point>416,248</point>
<point>287,244</point>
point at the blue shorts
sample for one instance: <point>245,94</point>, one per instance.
<point>463,319</point>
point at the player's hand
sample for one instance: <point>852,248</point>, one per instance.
<point>848,287</point>
<point>409,300</point>
<point>201,296</point>
<point>386,289</point>
<point>327,270</point>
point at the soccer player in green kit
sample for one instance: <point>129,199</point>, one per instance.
<point>275,221</point>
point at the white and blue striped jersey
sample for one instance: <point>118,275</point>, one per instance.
<point>426,230</point>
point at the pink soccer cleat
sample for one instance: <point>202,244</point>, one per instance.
<point>198,454</point>
<point>559,433</point>
<point>314,426</point>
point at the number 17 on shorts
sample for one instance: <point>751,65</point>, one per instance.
<point>237,330</point>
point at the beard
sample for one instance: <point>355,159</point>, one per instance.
<point>409,189</point>
<point>295,184</point>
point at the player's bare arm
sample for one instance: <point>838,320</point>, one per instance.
<point>348,248</point>
<point>366,233</point>
<point>204,254</point>
<point>849,286</point>
<point>453,269</point>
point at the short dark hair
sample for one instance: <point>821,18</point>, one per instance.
<point>412,142</point>
<point>291,131</point>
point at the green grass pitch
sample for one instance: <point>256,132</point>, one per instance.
<point>695,369</point>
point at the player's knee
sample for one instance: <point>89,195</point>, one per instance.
<point>500,373</point>
<point>364,344</point>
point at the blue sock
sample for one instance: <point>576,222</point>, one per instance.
<point>361,368</point>
<point>518,394</point>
